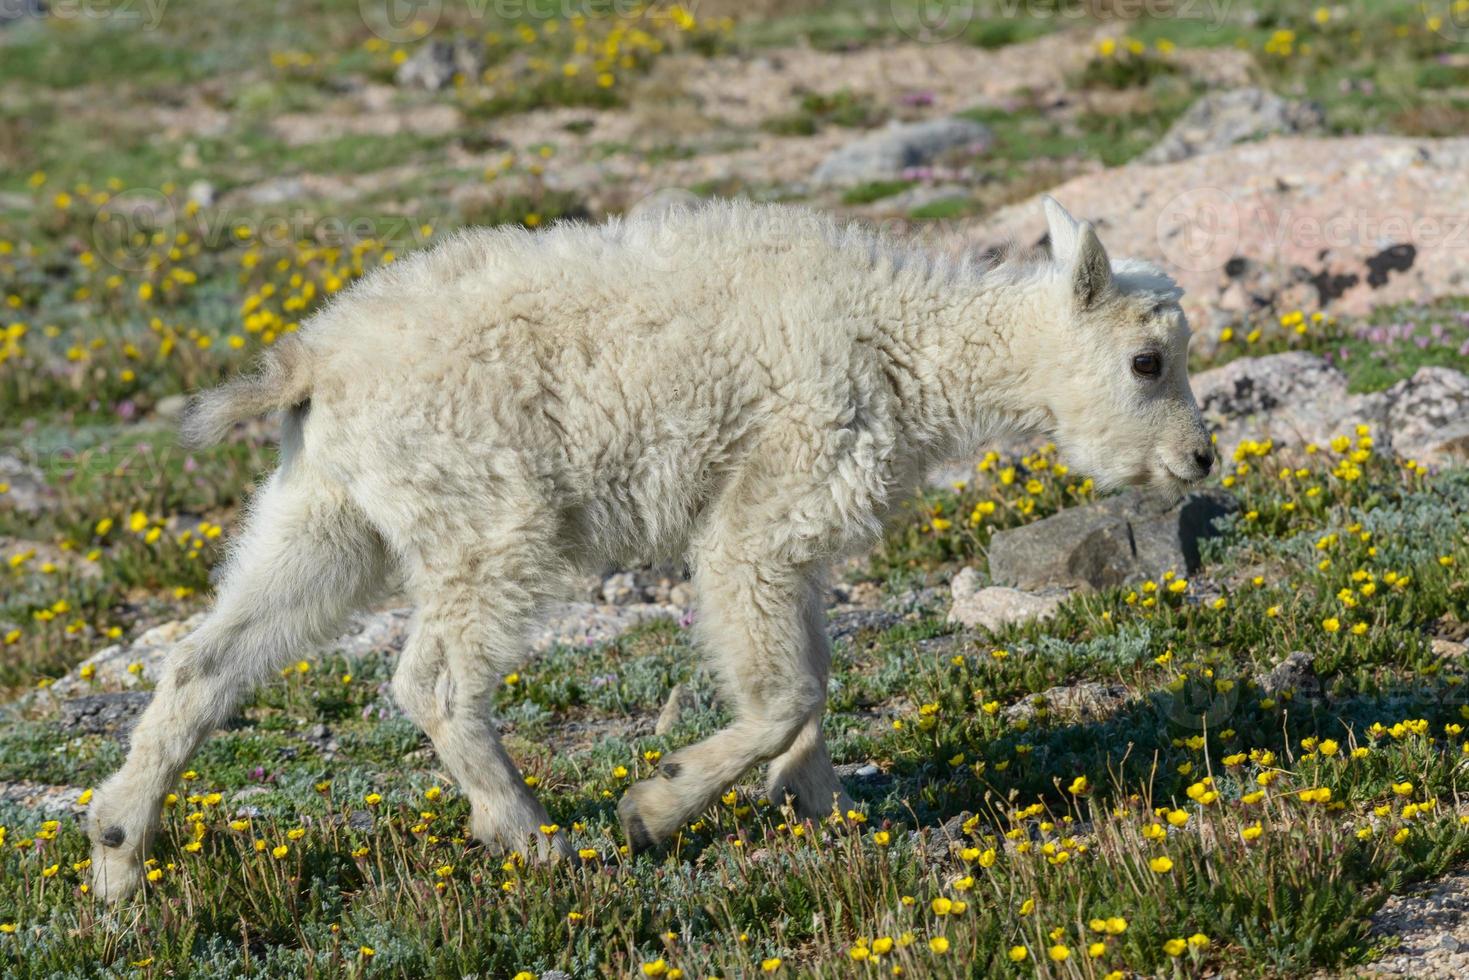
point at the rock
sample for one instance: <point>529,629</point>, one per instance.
<point>384,631</point>
<point>1297,398</point>
<point>680,700</point>
<point>435,64</point>
<point>1429,416</point>
<point>995,607</point>
<point>26,489</point>
<point>621,589</point>
<point>844,625</point>
<point>368,633</point>
<point>1292,399</point>
<point>1219,120</point>
<point>1085,702</point>
<point>1289,223</point>
<point>1109,543</point>
<point>320,737</point>
<point>586,624</point>
<point>13,11</point>
<point>170,408</point>
<point>1295,674</point>
<point>1446,648</point>
<point>361,821</point>
<point>50,801</point>
<point>868,775</point>
<point>111,712</point>
<point>918,602</point>
<point>1425,934</point>
<point>1256,385</point>
<point>202,193</point>
<point>109,666</point>
<point>885,154</point>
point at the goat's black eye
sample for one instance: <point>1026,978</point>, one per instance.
<point>1147,365</point>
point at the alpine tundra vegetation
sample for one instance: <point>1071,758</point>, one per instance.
<point>468,351</point>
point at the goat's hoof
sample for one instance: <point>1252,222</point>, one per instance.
<point>634,826</point>
<point>116,874</point>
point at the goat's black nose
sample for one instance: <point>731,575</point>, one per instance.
<point>1205,461</point>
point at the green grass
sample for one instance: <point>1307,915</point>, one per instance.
<point>1374,352</point>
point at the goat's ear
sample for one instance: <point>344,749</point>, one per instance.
<point>1091,270</point>
<point>1062,229</point>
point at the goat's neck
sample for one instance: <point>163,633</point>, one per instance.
<point>966,352</point>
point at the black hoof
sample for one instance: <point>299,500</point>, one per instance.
<point>113,837</point>
<point>638,838</point>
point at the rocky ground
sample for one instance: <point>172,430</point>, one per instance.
<point>1037,692</point>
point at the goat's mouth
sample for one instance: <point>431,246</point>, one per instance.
<point>1170,483</point>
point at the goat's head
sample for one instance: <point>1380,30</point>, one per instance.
<point>1113,363</point>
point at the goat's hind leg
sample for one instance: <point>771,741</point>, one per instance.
<point>476,603</point>
<point>804,771</point>
<point>306,559</point>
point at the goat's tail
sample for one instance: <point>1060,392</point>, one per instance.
<point>282,380</point>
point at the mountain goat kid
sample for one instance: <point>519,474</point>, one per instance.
<point>755,388</point>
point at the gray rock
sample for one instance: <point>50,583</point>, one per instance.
<point>918,601</point>
<point>1426,932</point>
<point>276,190</point>
<point>384,631</point>
<point>886,153</point>
<point>202,193</point>
<point>367,634</point>
<point>1297,398</point>
<point>1109,543</point>
<point>995,607</point>
<point>621,589</point>
<point>1221,119</point>
<point>361,821</point>
<point>1085,702</point>
<point>867,774</point>
<point>171,407</point>
<point>1429,415</point>
<point>435,63</point>
<point>1295,674</point>
<point>28,491</point>
<point>50,801</point>
<point>1250,386</point>
<point>320,737</point>
<point>1446,648</point>
<point>1291,399</point>
<point>585,623</point>
<point>12,11</point>
<point>843,625</point>
<point>111,712</point>
<point>110,664</point>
